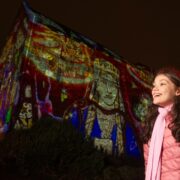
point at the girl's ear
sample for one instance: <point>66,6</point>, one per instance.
<point>178,92</point>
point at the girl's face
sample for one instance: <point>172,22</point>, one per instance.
<point>164,91</point>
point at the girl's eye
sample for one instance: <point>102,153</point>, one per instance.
<point>162,84</point>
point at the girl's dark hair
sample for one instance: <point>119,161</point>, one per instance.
<point>174,75</point>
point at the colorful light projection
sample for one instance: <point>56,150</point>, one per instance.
<point>47,69</point>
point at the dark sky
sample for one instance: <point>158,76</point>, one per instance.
<point>140,31</point>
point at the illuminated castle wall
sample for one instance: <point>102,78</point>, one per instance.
<point>47,69</point>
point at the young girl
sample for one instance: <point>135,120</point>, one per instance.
<point>162,129</point>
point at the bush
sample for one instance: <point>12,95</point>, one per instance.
<point>55,150</point>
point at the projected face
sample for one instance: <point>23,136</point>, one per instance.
<point>107,89</point>
<point>28,92</point>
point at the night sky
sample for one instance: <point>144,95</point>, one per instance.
<point>143,32</point>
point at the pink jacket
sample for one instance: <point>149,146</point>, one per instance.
<point>170,169</point>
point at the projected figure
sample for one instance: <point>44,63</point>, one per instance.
<point>24,102</point>
<point>102,117</point>
<point>105,115</point>
<point>44,107</point>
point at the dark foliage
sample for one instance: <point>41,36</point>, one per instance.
<point>55,150</point>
